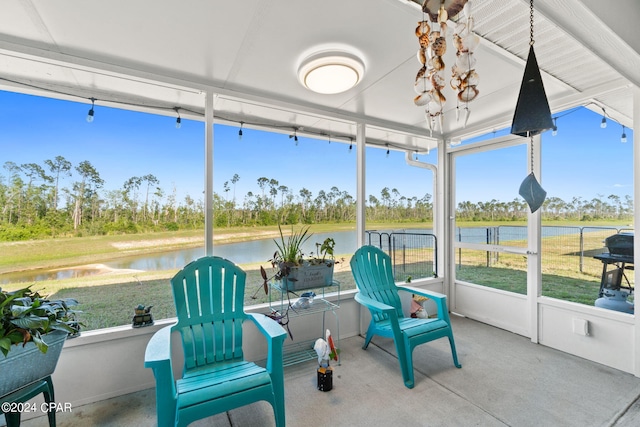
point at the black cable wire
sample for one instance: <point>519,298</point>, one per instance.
<point>294,129</point>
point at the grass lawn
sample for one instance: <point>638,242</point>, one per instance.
<point>583,290</point>
<point>109,299</point>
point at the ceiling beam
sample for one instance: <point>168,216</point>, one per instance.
<point>192,84</point>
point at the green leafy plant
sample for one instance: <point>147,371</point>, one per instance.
<point>26,316</point>
<point>326,248</point>
<point>289,254</point>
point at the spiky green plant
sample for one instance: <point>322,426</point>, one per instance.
<point>290,249</point>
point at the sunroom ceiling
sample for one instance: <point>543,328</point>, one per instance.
<point>155,55</point>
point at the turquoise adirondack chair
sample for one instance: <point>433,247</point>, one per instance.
<point>209,298</point>
<point>372,271</point>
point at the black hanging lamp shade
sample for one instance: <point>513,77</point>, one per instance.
<point>532,115</point>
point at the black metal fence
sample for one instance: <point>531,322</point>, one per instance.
<point>569,270</point>
<point>413,254</point>
<point>564,248</point>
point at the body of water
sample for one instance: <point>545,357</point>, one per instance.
<point>241,253</point>
<point>262,250</point>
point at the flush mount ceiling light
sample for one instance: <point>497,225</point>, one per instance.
<point>330,72</point>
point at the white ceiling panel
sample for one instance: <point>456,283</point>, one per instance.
<point>156,55</point>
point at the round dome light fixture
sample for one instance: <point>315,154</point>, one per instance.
<point>331,72</point>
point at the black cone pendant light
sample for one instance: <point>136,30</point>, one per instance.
<point>532,115</point>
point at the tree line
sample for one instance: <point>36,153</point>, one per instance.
<point>554,208</point>
<point>57,198</point>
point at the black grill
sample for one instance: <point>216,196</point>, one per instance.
<point>620,247</point>
<point>620,244</point>
<point>613,293</point>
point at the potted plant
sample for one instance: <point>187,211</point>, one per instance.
<point>32,332</point>
<point>297,271</point>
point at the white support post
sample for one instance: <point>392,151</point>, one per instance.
<point>361,195</point>
<point>440,214</point>
<point>534,265</point>
<point>438,206</point>
<point>446,183</point>
<point>208,181</point>
<point>636,218</point>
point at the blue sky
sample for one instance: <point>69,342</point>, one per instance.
<point>582,160</point>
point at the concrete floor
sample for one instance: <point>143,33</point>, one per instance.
<point>505,380</point>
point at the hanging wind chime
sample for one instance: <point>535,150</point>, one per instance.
<point>432,38</point>
<point>532,117</point>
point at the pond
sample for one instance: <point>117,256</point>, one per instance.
<point>261,251</point>
<point>241,253</point>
